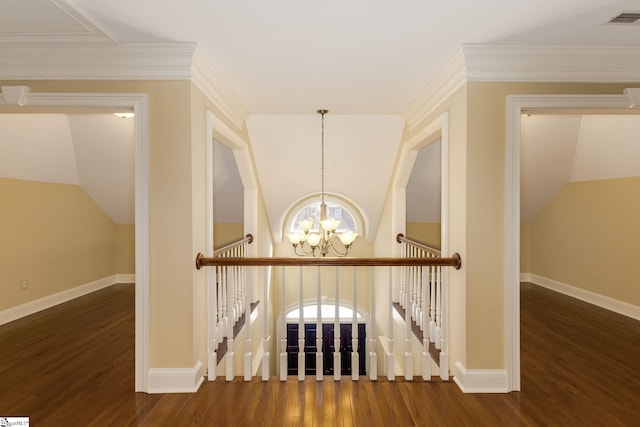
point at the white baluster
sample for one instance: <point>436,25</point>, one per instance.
<point>319,357</point>
<point>212,314</point>
<point>403,284</point>
<point>265,326</point>
<point>426,357</point>
<point>248,368</point>
<point>408,351</point>
<point>391,369</point>
<point>444,345</point>
<point>225,300</point>
<point>426,302</point>
<point>301,335</point>
<point>283,339</point>
<point>355,360</point>
<point>230,354</point>
<point>438,329</point>
<point>373,356</point>
<point>414,287</point>
<point>432,305</point>
<point>237,276</point>
<point>337,368</point>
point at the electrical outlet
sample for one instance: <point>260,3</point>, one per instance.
<point>24,284</point>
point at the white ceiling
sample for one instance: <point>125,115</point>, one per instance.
<point>363,60</point>
<point>94,151</point>
<point>557,149</point>
<point>355,57</point>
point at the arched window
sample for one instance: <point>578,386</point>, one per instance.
<point>327,313</point>
<point>337,208</point>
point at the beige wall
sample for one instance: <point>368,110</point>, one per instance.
<point>525,256</point>
<point>226,233</point>
<point>425,232</point>
<point>55,237</point>
<point>125,248</point>
<point>588,236</point>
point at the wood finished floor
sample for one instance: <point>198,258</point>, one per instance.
<point>73,366</point>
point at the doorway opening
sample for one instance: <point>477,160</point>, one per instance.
<point>516,106</point>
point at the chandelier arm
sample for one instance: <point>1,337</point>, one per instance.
<point>302,251</point>
<point>337,252</point>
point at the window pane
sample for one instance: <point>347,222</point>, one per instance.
<point>311,211</point>
<point>327,312</point>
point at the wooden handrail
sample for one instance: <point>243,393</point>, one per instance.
<point>400,238</point>
<point>454,261</point>
<point>246,239</point>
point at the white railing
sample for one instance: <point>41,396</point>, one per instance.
<point>421,294</point>
<point>422,291</point>
<point>228,297</point>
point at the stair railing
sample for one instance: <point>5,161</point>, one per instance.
<point>227,302</point>
<point>421,292</point>
<point>422,289</point>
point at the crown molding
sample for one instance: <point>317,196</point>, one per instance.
<point>597,64</point>
<point>205,76</point>
<point>96,61</point>
<point>121,61</point>
<point>510,63</point>
<point>450,77</point>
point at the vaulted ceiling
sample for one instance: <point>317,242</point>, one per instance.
<point>366,61</point>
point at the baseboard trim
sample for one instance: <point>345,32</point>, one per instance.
<point>176,380</point>
<point>480,380</point>
<point>125,278</point>
<point>32,307</point>
<point>608,303</point>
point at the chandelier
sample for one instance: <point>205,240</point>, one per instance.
<point>310,242</point>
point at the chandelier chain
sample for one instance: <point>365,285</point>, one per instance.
<point>322,112</point>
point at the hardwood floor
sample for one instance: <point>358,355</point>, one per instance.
<point>73,366</point>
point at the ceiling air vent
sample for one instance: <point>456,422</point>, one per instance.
<point>626,18</point>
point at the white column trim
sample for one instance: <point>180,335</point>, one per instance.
<point>480,380</point>
<point>515,105</point>
<point>175,380</point>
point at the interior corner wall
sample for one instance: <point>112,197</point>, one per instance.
<point>226,233</point>
<point>587,237</point>
<point>55,237</point>
<point>425,232</point>
<point>125,248</point>
<point>525,246</point>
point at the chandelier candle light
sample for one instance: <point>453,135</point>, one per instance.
<point>322,242</point>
